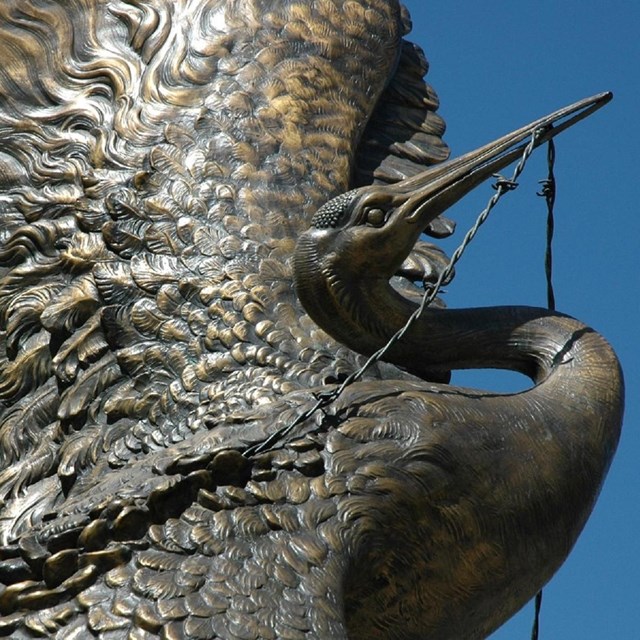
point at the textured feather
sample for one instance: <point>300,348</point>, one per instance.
<point>73,306</point>
<point>404,125</point>
<point>23,315</point>
<point>31,368</point>
<point>89,385</point>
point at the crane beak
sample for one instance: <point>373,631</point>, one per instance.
<point>423,197</point>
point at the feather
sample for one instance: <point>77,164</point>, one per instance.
<point>73,306</point>
<point>21,425</point>
<point>31,468</point>
<point>83,250</point>
<point>124,240</point>
<point>30,369</point>
<point>37,238</point>
<point>78,452</point>
<point>114,282</point>
<point>150,272</point>
<point>147,318</point>
<point>24,311</point>
<point>88,386</point>
<point>404,134</point>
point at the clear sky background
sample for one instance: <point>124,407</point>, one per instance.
<point>496,66</point>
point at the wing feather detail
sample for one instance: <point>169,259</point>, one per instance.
<point>158,160</point>
<point>405,131</point>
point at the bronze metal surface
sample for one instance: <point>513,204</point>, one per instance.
<point>173,224</point>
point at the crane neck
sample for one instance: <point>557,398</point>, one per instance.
<point>364,313</point>
<point>529,340</point>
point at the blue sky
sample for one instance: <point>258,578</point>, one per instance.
<point>496,66</point>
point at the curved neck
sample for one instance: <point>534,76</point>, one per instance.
<point>525,339</point>
<point>365,313</point>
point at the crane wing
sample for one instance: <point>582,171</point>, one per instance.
<point>157,161</point>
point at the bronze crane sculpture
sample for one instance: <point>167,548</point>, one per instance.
<point>161,162</point>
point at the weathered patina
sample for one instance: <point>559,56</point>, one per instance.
<point>159,160</point>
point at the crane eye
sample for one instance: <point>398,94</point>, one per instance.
<point>375,217</point>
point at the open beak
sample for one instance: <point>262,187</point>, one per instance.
<point>423,197</point>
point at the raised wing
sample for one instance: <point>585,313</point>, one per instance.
<point>158,160</point>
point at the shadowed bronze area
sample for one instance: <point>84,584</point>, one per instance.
<point>159,160</point>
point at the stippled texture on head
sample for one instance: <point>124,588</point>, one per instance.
<point>329,215</point>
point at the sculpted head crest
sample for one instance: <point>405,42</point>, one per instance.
<point>330,214</point>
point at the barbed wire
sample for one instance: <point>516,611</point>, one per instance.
<point>548,192</point>
<point>501,186</point>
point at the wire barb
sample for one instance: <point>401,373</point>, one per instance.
<point>548,192</point>
<point>502,183</point>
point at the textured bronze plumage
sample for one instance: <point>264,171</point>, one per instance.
<point>158,161</point>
